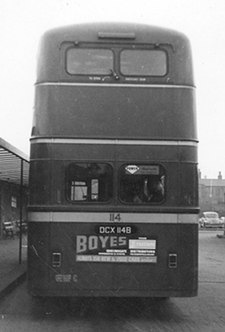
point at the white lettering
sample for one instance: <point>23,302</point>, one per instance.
<point>85,243</point>
<point>93,242</point>
<point>122,241</point>
<point>81,243</point>
<point>113,230</point>
<point>113,241</point>
<point>103,240</point>
<point>107,230</point>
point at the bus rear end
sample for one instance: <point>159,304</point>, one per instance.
<point>113,168</point>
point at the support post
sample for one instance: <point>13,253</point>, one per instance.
<point>21,211</point>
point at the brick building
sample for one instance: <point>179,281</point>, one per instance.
<point>212,194</point>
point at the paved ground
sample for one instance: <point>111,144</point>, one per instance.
<point>21,312</point>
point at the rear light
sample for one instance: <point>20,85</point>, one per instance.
<point>172,261</point>
<point>56,259</point>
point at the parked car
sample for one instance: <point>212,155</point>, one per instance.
<point>211,219</point>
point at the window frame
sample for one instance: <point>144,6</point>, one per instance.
<point>162,171</point>
<point>116,76</point>
<point>89,181</point>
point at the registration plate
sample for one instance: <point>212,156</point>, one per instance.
<point>116,229</point>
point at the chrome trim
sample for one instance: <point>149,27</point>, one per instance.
<point>120,85</point>
<point>112,141</point>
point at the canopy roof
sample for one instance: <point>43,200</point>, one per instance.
<point>14,164</point>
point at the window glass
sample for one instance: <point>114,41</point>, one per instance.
<point>211,215</point>
<point>89,182</point>
<point>89,61</point>
<point>143,62</point>
<point>14,202</point>
<point>142,184</point>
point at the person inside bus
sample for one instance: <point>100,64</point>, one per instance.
<point>140,192</point>
<point>148,191</point>
<point>156,190</point>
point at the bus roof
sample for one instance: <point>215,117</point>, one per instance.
<point>89,31</point>
<point>129,33</point>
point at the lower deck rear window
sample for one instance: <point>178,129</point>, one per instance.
<point>89,182</point>
<point>142,184</point>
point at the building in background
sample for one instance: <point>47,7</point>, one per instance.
<point>10,202</point>
<point>14,168</point>
<point>212,194</point>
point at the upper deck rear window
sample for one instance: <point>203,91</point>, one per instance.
<point>89,61</point>
<point>143,62</point>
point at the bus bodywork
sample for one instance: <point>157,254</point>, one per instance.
<point>104,129</point>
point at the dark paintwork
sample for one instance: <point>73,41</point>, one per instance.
<point>164,109</point>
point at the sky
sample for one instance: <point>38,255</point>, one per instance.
<point>22,23</point>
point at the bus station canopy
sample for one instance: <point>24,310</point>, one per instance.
<point>14,164</point>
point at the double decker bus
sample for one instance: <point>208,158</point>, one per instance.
<point>113,205</point>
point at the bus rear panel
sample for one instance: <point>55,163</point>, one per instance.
<point>113,205</point>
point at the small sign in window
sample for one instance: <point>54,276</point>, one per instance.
<point>13,202</point>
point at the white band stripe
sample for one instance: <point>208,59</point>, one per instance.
<point>104,217</point>
<point>112,141</point>
<point>122,85</point>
